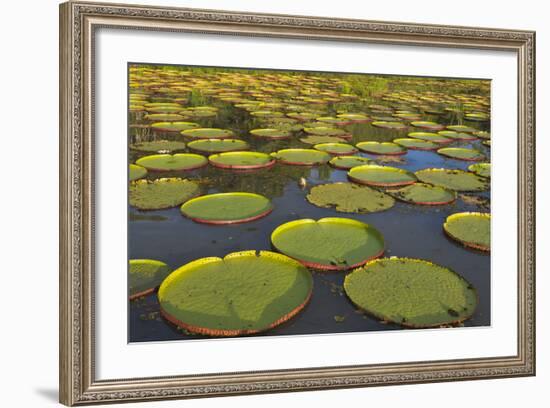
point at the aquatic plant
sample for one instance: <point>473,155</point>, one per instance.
<point>350,198</point>
<point>161,193</point>
<point>144,276</point>
<point>472,229</point>
<point>381,176</point>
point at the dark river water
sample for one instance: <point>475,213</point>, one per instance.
<point>408,230</point>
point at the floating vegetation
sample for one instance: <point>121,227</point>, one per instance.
<point>301,157</point>
<point>430,137</point>
<point>174,126</point>
<point>136,172</point>
<point>472,229</point>
<point>227,208</point>
<point>161,193</point>
<point>381,176</point>
<point>482,134</point>
<point>477,117</point>
<point>175,162</point>
<point>244,293</point>
<point>303,116</point>
<point>144,276</point>
<point>217,145</point>
<point>208,133</point>
<point>427,125</point>
<point>328,243</point>
<point>327,131</point>
<point>416,144</point>
<point>481,169</point>
<point>332,120</point>
<point>350,198</point>
<point>457,180</point>
<point>165,117</point>
<point>487,143</point>
<point>198,112</point>
<point>271,133</point>
<point>385,148</point>
<point>451,134</point>
<point>354,117</point>
<point>461,153</point>
<point>462,128</point>
<point>347,162</point>
<point>313,140</point>
<point>336,148</point>
<point>389,125</point>
<point>241,160</point>
<point>165,146</point>
<point>424,194</point>
<point>411,292</point>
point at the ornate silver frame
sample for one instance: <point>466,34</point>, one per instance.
<point>78,21</point>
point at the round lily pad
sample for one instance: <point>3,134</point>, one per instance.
<point>354,117</point>
<point>175,162</point>
<point>164,117</point>
<point>321,139</point>
<point>430,137</point>
<point>461,153</point>
<point>208,133</point>
<point>462,128</point>
<point>302,157</point>
<point>385,148</point>
<point>241,160</point>
<point>303,116</point>
<point>145,275</point>
<point>482,134</point>
<point>217,145</point>
<point>332,120</point>
<point>457,180</point>
<point>416,144</point>
<point>164,146</point>
<point>174,126</point>
<point>427,125</point>
<point>227,208</point>
<point>266,114</point>
<point>350,198</point>
<point>477,117</point>
<point>486,143</point>
<point>271,133</point>
<point>451,134</point>
<point>161,193</point>
<point>244,293</point>
<point>471,229</point>
<point>327,131</point>
<point>381,176</point>
<point>329,243</point>
<point>137,172</point>
<point>481,169</point>
<point>424,194</point>
<point>347,162</point>
<point>389,124</point>
<point>336,148</point>
<point>411,292</point>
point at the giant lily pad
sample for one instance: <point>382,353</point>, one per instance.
<point>451,134</point>
<point>241,160</point>
<point>381,176</point>
<point>158,146</point>
<point>303,116</point>
<point>411,292</point>
<point>457,180</point>
<point>332,120</point>
<point>354,117</point>
<point>164,117</point>
<point>301,157</point>
<point>424,194</point>
<point>349,197</point>
<point>461,153</point>
<point>327,131</point>
<point>329,243</point>
<point>217,145</point>
<point>462,128</point>
<point>174,126</point>
<point>430,137</point>
<point>161,193</point>
<point>471,229</point>
<point>271,133</point>
<point>347,162</point>
<point>313,140</point>
<point>208,133</point>
<point>481,169</point>
<point>427,125</point>
<point>482,134</point>
<point>169,162</point>
<point>335,148</point>
<point>145,275</point>
<point>137,172</point>
<point>244,293</point>
<point>389,124</point>
<point>227,208</point>
<point>385,148</point>
<point>416,144</point>
<point>477,117</point>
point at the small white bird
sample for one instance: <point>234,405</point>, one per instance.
<point>302,182</point>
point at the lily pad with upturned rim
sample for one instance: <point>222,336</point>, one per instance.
<point>301,157</point>
<point>477,117</point>
<point>158,146</point>
<point>208,133</point>
<point>335,148</point>
<point>347,162</point>
<point>481,169</point>
<point>349,198</point>
<point>327,131</point>
<point>175,162</point>
<point>451,134</point>
<point>164,117</point>
<point>411,292</point>
<point>271,133</point>
<point>241,160</point>
<point>389,125</point>
<point>329,243</point>
<point>384,148</point>
<point>424,194</point>
<point>457,180</point>
<point>174,126</point>
<point>313,140</point>
<point>161,193</point>
<point>227,208</point>
<point>427,125</point>
<point>472,229</point>
<point>244,293</point>
<point>381,176</point>
<point>136,172</point>
<point>354,117</point>
<point>460,153</point>
<point>144,276</point>
<point>416,144</point>
<point>462,128</point>
<point>482,134</point>
<point>217,145</point>
<point>430,137</point>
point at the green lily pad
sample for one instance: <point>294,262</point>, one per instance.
<point>164,117</point>
<point>271,133</point>
<point>411,292</point>
<point>329,243</point>
<point>430,137</point>
<point>137,172</point>
<point>244,293</point>
<point>175,162</point>
<point>199,112</point>
<point>350,198</point>
<point>482,134</point>
<point>416,144</point>
<point>217,145</point>
<point>427,125</point>
<point>145,275</point>
<point>174,126</point>
<point>163,109</point>
<point>327,131</point>
<point>385,148</point>
<point>381,176</point>
<point>332,120</point>
<point>461,153</point>
<point>227,208</point>
<point>164,146</point>
<point>451,134</point>
<point>462,128</point>
<point>486,143</point>
<point>407,116</point>
<point>161,193</point>
<point>389,124</point>
<point>471,229</point>
<point>208,133</point>
<point>354,117</point>
<point>335,148</point>
<point>481,169</point>
<point>457,180</point>
<point>477,117</point>
<point>321,139</point>
<point>347,162</point>
<point>241,160</point>
<point>424,194</point>
<point>301,157</point>
<point>303,116</point>
<point>267,114</point>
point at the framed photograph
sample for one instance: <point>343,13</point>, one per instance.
<point>256,203</point>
